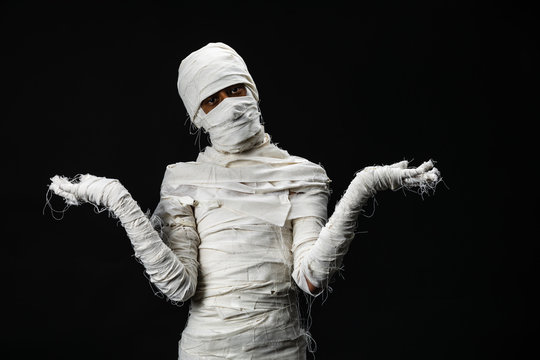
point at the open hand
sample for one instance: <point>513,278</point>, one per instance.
<point>99,191</point>
<point>398,175</point>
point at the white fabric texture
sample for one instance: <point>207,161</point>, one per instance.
<point>234,125</point>
<point>261,219</point>
<point>245,254</point>
<point>209,70</point>
<point>173,268</point>
<point>244,225</point>
<point>245,305</point>
<point>325,255</point>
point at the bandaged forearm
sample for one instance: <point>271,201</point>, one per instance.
<point>318,249</point>
<point>318,257</point>
<point>165,269</point>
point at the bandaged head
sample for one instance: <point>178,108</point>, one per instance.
<point>234,124</point>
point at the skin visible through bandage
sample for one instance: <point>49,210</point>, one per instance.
<point>243,227</point>
<point>213,100</point>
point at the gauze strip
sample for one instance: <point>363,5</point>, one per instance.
<point>173,270</point>
<point>245,306</point>
<point>234,125</point>
<point>261,189</point>
<point>319,261</point>
<point>209,70</point>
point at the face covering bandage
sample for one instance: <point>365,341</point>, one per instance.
<point>241,231</point>
<point>208,70</point>
<point>234,124</point>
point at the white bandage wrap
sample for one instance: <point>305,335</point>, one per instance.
<point>244,225</point>
<point>234,125</point>
<point>209,70</point>
<point>175,276</point>
<point>245,206</point>
<point>319,262</point>
<point>257,229</point>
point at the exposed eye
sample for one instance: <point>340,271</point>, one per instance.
<point>237,90</point>
<point>211,101</point>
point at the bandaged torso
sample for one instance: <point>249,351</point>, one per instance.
<point>243,227</point>
<point>246,207</point>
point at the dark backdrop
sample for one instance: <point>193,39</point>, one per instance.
<point>92,88</point>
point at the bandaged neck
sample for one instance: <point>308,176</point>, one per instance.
<point>234,125</point>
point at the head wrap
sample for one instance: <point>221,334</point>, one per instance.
<point>209,70</point>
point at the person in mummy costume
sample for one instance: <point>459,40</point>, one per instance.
<point>244,227</point>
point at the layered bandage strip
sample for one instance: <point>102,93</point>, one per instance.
<point>209,70</point>
<point>253,239</point>
<point>320,258</point>
<point>172,269</point>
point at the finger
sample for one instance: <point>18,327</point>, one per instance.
<point>62,183</point>
<point>423,168</point>
<point>433,175</point>
<point>430,177</point>
<point>401,164</point>
<point>59,185</point>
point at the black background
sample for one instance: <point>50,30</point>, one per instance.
<point>92,89</point>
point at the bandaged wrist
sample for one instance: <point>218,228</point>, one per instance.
<point>164,268</point>
<point>326,253</point>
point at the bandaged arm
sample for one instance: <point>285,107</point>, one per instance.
<point>319,248</point>
<point>173,268</point>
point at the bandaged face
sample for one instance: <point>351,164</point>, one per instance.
<point>232,119</point>
<point>213,100</point>
<point>221,97</point>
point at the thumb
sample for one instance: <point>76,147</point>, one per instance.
<point>61,186</point>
